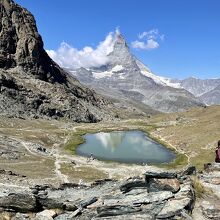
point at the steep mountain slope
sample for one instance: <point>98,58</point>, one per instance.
<point>212,97</point>
<point>205,89</point>
<point>132,79</point>
<point>31,84</point>
<point>197,86</point>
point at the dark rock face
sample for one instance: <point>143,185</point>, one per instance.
<point>31,84</point>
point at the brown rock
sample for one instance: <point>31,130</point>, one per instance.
<point>172,185</point>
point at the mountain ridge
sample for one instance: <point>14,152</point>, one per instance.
<point>126,74</point>
<point>32,85</point>
<point>201,88</point>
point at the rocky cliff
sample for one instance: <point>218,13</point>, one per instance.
<point>31,84</point>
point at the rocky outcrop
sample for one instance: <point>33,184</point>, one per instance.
<point>31,84</point>
<point>209,204</point>
<point>106,199</point>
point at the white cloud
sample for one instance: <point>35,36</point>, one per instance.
<point>70,57</point>
<point>149,44</point>
<point>148,40</point>
<point>152,34</point>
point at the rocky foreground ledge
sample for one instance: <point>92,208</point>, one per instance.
<point>156,195</point>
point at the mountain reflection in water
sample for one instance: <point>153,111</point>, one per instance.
<point>124,146</point>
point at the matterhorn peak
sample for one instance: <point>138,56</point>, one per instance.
<point>119,39</point>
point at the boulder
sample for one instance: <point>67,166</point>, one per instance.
<point>46,215</point>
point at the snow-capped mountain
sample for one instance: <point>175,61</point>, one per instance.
<point>125,76</point>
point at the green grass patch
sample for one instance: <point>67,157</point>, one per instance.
<point>180,161</point>
<point>75,140</point>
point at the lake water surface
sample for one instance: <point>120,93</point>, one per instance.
<point>126,147</point>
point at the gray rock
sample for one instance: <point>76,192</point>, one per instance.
<point>159,175</point>
<point>211,210</point>
<point>131,184</point>
<point>173,207</point>
<point>88,202</point>
<point>116,210</point>
<point>136,216</point>
<point>21,216</point>
<point>46,215</point>
<point>22,201</point>
<point>153,197</point>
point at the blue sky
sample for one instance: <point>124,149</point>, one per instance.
<point>190,28</point>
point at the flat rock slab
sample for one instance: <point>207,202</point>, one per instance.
<point>173,207</point>
<point>116,210</point>
<point>153,197</point>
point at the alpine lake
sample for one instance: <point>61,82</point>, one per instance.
<point>133,147</point>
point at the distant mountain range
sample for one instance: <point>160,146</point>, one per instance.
<point>208,90</point>
<point>125,77</point>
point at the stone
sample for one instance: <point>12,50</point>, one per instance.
<point>159,175</point>
<point>88,202</point>
<point>105,211</point>
<point>173,207</point>
<point>21,216</point>
<point>136,216</point>
<point>131,184</point>
<point>20,200</point>
<point>172,185</point>
<point>153,197</point>
<point>190,170</point>
<point>46,215</point>
<point>211,210</point>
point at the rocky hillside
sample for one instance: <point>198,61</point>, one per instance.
<point>126,77</point>
<point>31,84</point>
<point>212,97</point>
<point>207,90</point>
